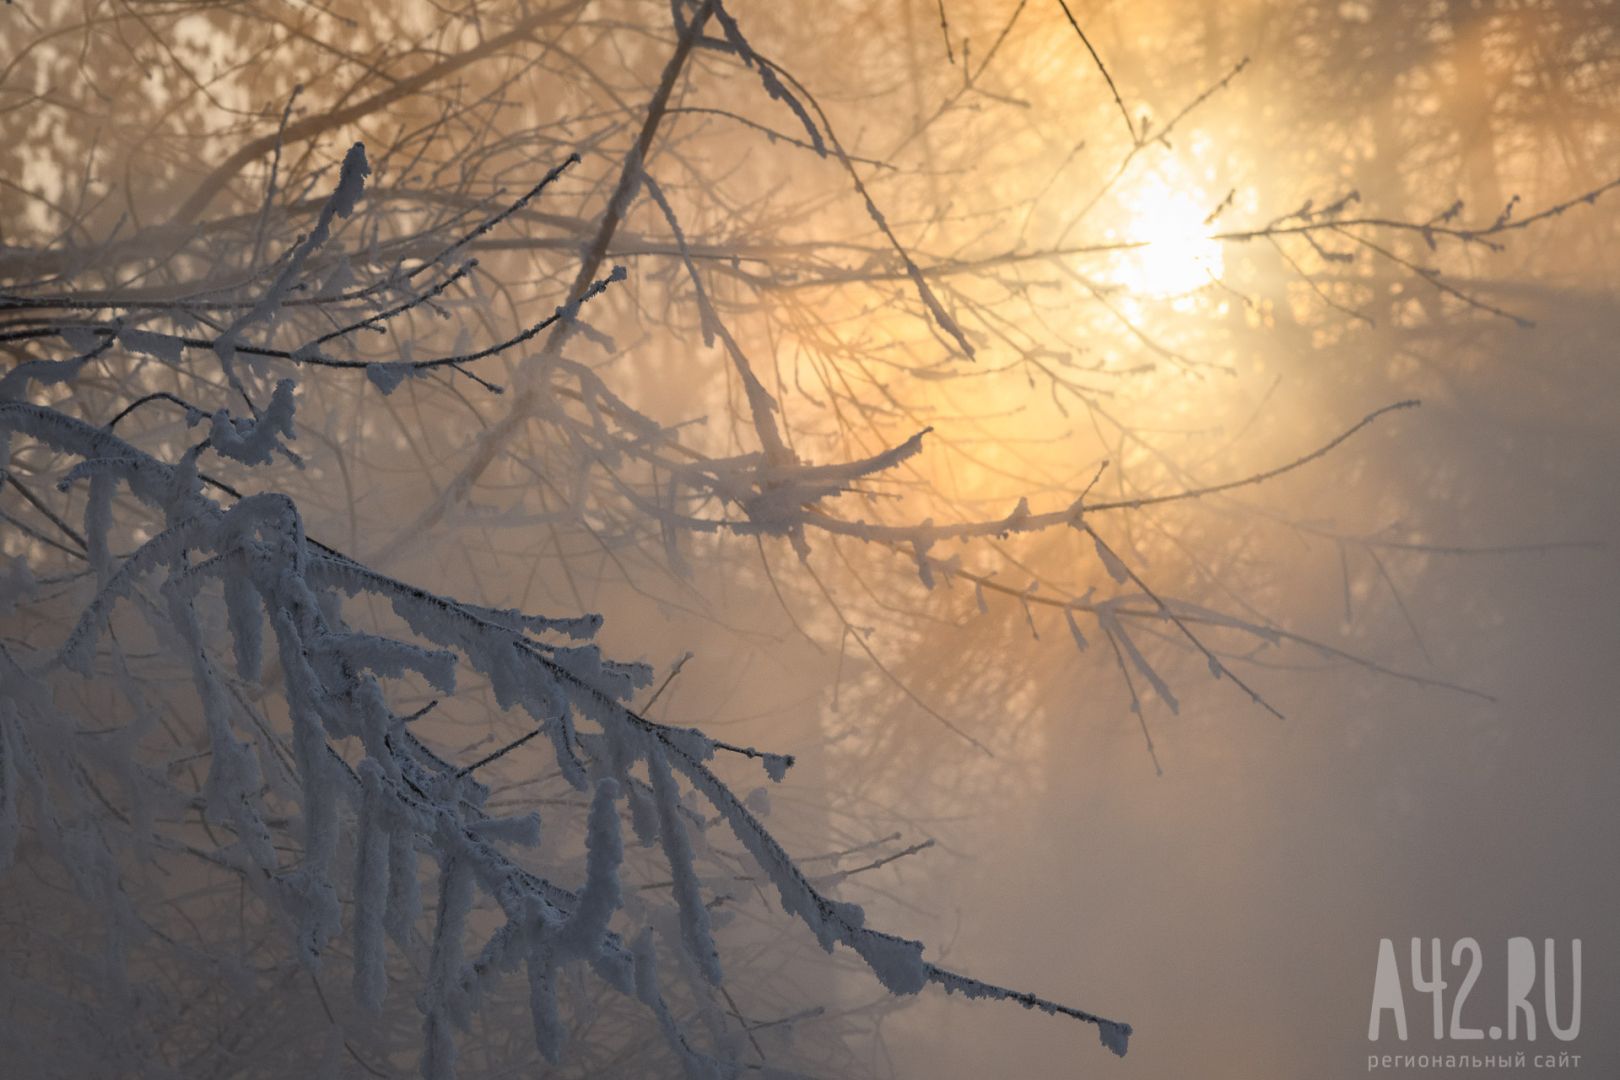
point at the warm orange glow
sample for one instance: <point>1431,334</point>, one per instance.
<point>1177,254</point>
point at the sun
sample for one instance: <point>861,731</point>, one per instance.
<point>1173,251</point>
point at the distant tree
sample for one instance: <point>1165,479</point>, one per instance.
<point>497,309</point>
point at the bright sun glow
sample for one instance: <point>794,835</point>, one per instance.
<point>1178,254</point>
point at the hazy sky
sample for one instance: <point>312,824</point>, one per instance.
<point>1200,244</point>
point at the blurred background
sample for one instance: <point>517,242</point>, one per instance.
<point>1188,246</point>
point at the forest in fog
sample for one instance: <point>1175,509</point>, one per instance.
<point>939,538</point>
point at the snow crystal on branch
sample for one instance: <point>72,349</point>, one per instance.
<point>254,441</point>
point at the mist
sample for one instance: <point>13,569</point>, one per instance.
<point>514,518</point>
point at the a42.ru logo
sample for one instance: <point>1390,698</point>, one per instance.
<point>1427,977</point>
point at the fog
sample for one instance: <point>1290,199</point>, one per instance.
<point>1248,597</point>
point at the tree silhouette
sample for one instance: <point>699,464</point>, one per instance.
<point>610,293</point>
